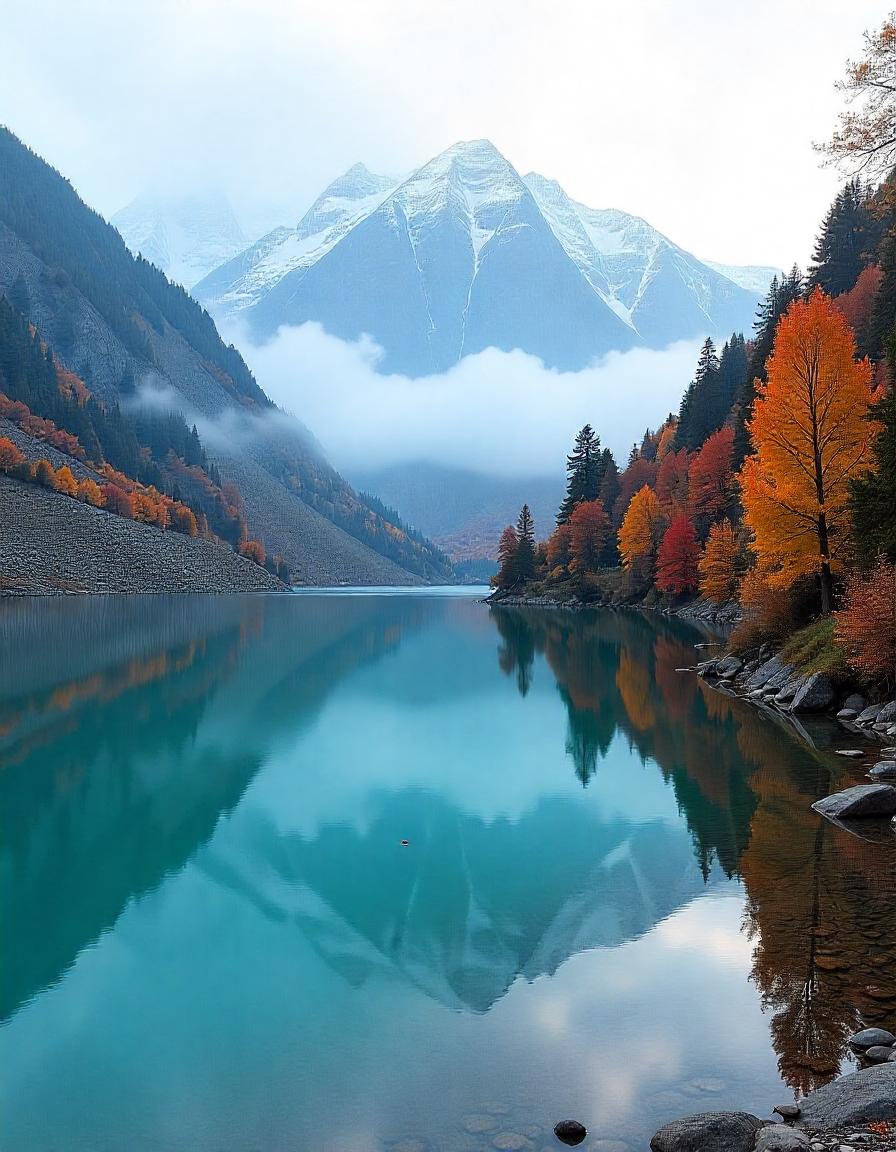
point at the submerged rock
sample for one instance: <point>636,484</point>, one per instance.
<point>858,1098</point>
<point>862,802</point>
<point>570,1132</point>
<point>709,1132</point>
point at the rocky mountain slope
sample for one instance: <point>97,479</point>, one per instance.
<point>134,338</point>
<point>466,254</point>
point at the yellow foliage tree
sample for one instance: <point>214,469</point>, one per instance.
<point>811,435</point>
<point>641,531</point>
<point>65,481</point>
<point>718,566</point>
<point>89,491</point>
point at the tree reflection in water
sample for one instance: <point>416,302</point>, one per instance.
<point>820,905</point>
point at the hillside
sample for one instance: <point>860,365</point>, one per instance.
<point>54,544</point>
<point>466,254</point>
<point>139,342</point>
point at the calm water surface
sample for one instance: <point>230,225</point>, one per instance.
<point>615,902</point>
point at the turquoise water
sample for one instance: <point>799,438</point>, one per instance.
<point>614,904</point>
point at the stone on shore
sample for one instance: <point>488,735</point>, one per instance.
<point>858,1098</point>
<point>780,1138</point>
<point>787,1111</point>
<point>814,695</point>
<point>869,715</point>
<point>852,753</point>
<point>887,714</point>
<point>730,666</point>
<point>883,770</point>
<point>868,1037</point>
<point>862,802</point>
<point>764,673</point>
<point>878,1054</point>
<point>847,714</point>
<point>709,1132</point>
<point>855,703</point>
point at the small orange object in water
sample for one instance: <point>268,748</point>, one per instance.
<point>405,843</point>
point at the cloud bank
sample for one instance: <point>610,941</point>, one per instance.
<point>500,412</point>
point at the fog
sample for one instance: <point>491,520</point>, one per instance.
<point>498,412</point>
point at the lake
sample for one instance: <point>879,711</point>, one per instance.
<point>397,872</point>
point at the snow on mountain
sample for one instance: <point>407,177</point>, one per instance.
<point>465,254</point>
<point>754,277</point>
<point>186,237</point>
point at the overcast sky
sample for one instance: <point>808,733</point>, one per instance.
<point>697,114</point>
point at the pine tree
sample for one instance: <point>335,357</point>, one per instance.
<point>703,410</point>
<point>525,548</point>
<point>583,472</point>
<point>849,235</point>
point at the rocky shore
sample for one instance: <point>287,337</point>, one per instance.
<point>52,545</point>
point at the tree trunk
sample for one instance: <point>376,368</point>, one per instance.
<point>827,589</point>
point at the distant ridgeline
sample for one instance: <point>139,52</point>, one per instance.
<point>775,484</point>
<point>105,361</point>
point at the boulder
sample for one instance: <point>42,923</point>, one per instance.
<point>868,1037</point>
<point>788,1111</point>
<point>814,695</point>
<point>878,1054</point>
<point>709,1132</point>
<point>861,802</point>
<point>855,703</point>
<point>869,715</point>
<point>859,1098</point>
<point>883,770</point>
<point>570,1132</point>
<point>764,673</point>
<point>779,1138</point>
<point>730,666</point>
<point>776,683</point>
<point>845,713</point>
<point>789,690</point>
<point>887,714</point>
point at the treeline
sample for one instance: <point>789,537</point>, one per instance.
<point>41,206</point>
<point>775,483</point>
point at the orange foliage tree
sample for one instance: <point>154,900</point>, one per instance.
<point>677,559</point>
<point>589,530</point>
<point>89,491</point>
<point>10,457</point>
<point>559,547</point>
<point>65,481</point>
<point>672,482</point>
<point>116,500</point>
<point>811,436</point>
<point>709,476</point>
<point>719,564</point>
<point>640,532</point>
<point>253,550</point>
<point>866,628</point>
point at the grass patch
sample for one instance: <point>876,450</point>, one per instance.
<point>814,649</point>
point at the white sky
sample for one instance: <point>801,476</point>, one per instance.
<point>696,114</point>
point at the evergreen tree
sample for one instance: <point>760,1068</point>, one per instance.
<point>703,410</point>
<point>781,294</point>
<point>849,236</point>
<point>525,548</point>
<point>608,493</point>
<point>583,472</point>
<point>874,493</point>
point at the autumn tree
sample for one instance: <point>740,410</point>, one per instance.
<point>116,500</point>
<point>810,436</point>
<point>718,568</point>
<point>89,491</point>
<point>65,481</point>
<point>183,520</point>
<point>866,628</point>
<point>525,546</point>
<point>640,533</point>
<point>253,550</point>
<point>677,559</point>
<point>507,549</point>
<point>44,474</point>
<point>559,547</point>
<point>709,475</point>
<point>857,305</point>
<point>589,531</point>
<point>865,139</point>
<point>10,456</point>
<point>672,482</point>
<point>874,492</point>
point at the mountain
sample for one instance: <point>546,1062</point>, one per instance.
<point>185,237</point>
<point>137,343</point>
<point>754,277</point>
<point>463,511</point>
<point>466,254</point>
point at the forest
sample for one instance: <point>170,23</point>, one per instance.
<point>774,485</point>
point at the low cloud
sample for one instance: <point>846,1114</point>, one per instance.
<point>498,412</point>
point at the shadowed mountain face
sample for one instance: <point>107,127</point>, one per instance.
<point>204,803</point>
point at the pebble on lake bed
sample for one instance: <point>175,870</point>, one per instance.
<point>570,1132</point>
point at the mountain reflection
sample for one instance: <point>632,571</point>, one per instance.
<point>820,906</point>
<point>129,727</point>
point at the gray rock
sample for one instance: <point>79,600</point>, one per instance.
<point>789,690</point>
<point>779,1138</point>
<point>887,714</point>
<point>764,673</point>
<point>868,1037</point>
<point>570,1132</point>
<point>730,666</point>
<point>847,714</point>
<point>788,1111</point>
<point>850,753</point>
<point>709,1132</point>
<point>777,682</point>
<point>862,802</point>
<point>858,1098</point>
<point>883,770</point>
<point>878,1054</point>
<point>869,715</point>
<point>814,695</point>
<point>855,702</point>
